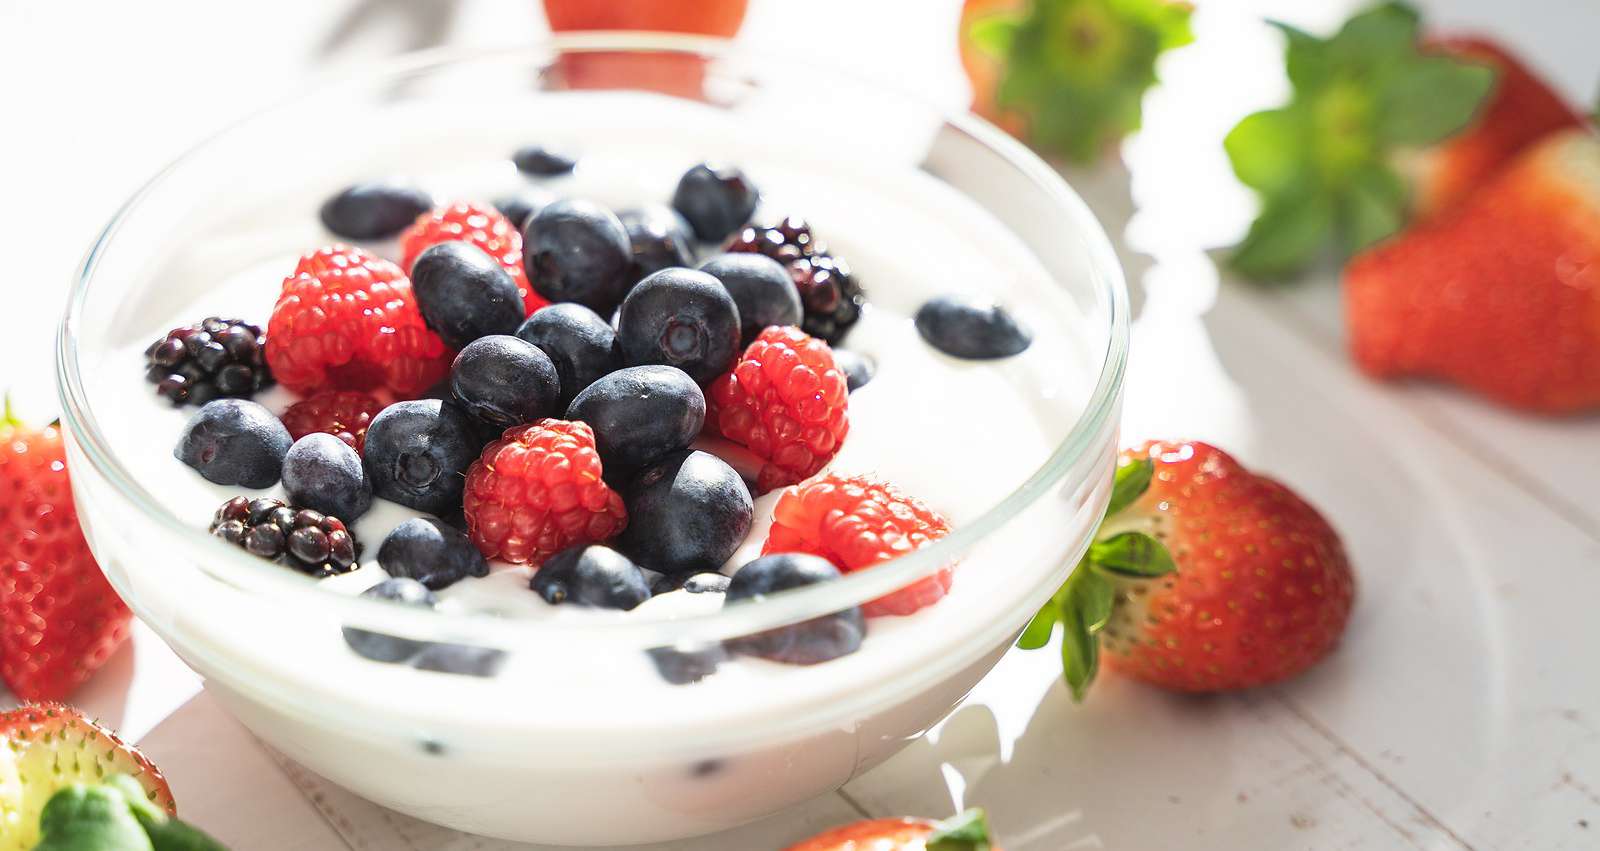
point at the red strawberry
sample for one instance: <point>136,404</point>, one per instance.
<point>1521,109</point>
<point>1500,294</point>
<point>1205,577</point>
<point>857,522</point>
<point>480,225</point>
<point>50,746</point>
<point>59,618</point>
<point>347,320</point>
<point>537,490</point>
<point>705,17</point>
<point>786,401</point>
<point>344,415</point>
<point>678,74</point>
<point>968,831</point>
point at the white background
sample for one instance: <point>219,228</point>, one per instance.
<point>1463,710</point>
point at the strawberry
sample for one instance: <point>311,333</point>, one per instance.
<point>1068,75</point>
<point>968,831</point>
<point>59,618</point>
<point>1521,109</point>
<point>705,17</point>
<point>50,746</point>
<point>1204,577</point>
<point>1500,294</point>
<point>677,74</point>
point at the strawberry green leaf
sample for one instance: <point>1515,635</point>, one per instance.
<point>1131,554</point>
<point>1320,163</point>
<point>1094,597</point>
<point>1080,653</point>
<point>1382,33</point>
<point>1431,98</point>
<point>1129,483</point>
<point>8,416</point>
<point>1077,70</point>
<point>993,34</point>
<point>1284,239</point>
<point>1270,151</point>
<point>968,831</point>
<point>1305,57</point>
<point>1038,631</point>
<point>1374,208</point>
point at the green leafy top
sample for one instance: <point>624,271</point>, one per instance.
<point>1321,163</point>
<point>8,416</point>
<point>1077,69</point>
<point>113,816</point>
<point>1084,603</point>
<point>968,831</point>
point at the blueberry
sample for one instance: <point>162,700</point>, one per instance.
<point>375,210</point>
<point>539,161</point>
<point>715,199</point>
<point>687,512</point>
<point>688,664</point>
<point>858,369</point>
<point>577,251</point>
<point>464,293</point>
<point>417,454</point>
<point>682,318</point>
<point>505,381</point>
<point>808,642</point>
<point>390,648</point>
<point>694,583</point>
<point>591,575</point>
<point>432,552</point>
<point>971,329</point>
<point>463,659</point>
<point>582,346</point>
<point>520,207</point>
<point>640,414</point>
<point>659,238</point>
<point>761,288</point>
<point>235,442</point>
<point>323,473</point>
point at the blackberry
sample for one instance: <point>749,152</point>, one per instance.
<point>830,295</point>
<point>308,541</point>
<point>209,360</point>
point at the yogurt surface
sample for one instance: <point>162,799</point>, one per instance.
<point>959,435</point>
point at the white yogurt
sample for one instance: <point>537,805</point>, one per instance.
<point>960,435</point>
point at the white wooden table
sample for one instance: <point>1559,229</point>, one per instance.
<point>1463,710</point>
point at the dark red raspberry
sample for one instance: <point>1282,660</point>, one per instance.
<point>308,541</point>
<point>208,360</point>
<point>347,320</point>
<point>537,490</point>
<point>344,415</point>
<point>786,401</point>
<point>856,522</point>
<point>830,295</point>
<point>482,226</point>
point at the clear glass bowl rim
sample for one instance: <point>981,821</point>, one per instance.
<point>740,619</point>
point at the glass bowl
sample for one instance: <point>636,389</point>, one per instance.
<point>575,727</point>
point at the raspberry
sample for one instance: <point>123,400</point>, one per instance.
<point>537,490</point>
<point>344,415</point>
<point>786,401</point>
<point>479,225</point>
<point>347,320</point>
<point>831,296</point>
<point>856,522</point>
